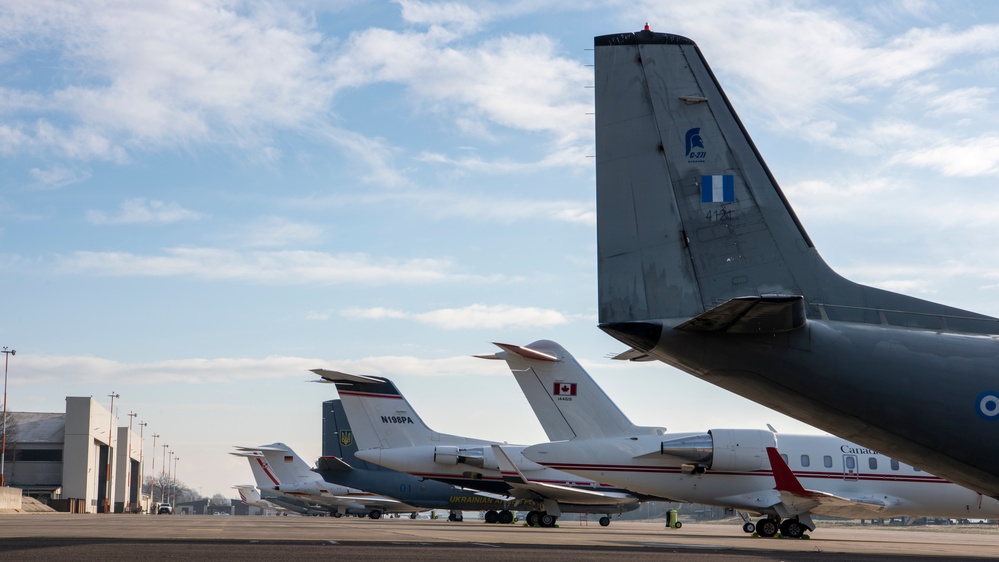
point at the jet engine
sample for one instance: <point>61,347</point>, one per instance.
<point>452,455</point>
<point>738,450</point>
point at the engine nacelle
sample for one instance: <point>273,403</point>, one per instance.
<point>452,455</point>
<point>722,449</point>
<point>741,449</point>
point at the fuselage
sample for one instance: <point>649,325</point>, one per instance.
<point>487,477</point>
<point>935,392</point>
<point>824,463</point>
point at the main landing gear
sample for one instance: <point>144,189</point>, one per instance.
<point>542,519</point>
<point>455,516</point>
<point>769,526</point>
<point>504,517</point>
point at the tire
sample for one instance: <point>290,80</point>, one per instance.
<point>548,520</point>
<point>506,517</point>
<point>492,516</point>
<point>604,521</point>
<point>533,518</point>
<point>337,514</point>
<point>677,525</point>
<point>749,528</point>
<point>767,528</point>
<point>412,515</point>
<point>375,514</point>
<point>792,528</point>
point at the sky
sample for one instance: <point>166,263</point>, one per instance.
<point>201,200</point>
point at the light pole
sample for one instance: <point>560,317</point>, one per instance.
<point>163,490</point>
<point>3,448</point>
<point>152,479</point>
<point>107,495</point>
<point>142,449</point>
<point>174,502</point>
<point>128,464</point>
<point>169,478</point>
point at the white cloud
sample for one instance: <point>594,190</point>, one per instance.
<point>56,177</point>
<point>279,267</point>
<point>140,211</point>
<point>956,157</point>
<point>476,316</point>
<point>274,232</point>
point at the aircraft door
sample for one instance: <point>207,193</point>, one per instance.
<point>851,470</point>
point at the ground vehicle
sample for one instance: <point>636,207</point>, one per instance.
<point>165,508</point>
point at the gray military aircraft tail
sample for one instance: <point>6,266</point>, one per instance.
<point>702,264</point>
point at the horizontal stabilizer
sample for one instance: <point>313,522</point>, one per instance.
<point>565,494</point>
<point>751,315</point>
<point>337,376</point>
<point>633,355</point>
<point>333,464</point>
<point>526,352</point>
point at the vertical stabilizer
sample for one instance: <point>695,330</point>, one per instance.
<point>688,214</point>
<point>566,400</point>
<point>342,441</point>
<point>380,416</point>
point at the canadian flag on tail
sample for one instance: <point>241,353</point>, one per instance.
<point>565,389</point>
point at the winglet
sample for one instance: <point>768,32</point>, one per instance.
<point>784,479</point>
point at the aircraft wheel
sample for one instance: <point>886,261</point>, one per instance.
<point>506,517</point>
<point>548,520</point>
<point>450,516</point>
<point>492,516</point>
<point>533,518</point>
<point>337,514</point>
<point>375,514</point>
<point>749,528</point>
<point>766,527</point>
<point>792,528</point>
<point>604,521</point>
<point>412,515</point>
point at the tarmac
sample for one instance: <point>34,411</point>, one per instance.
<point>83,537</point>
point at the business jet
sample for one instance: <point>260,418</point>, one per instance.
<point>345,469</point>
<point>277,469</point>
<point>390,433</point>
<point>703,264</point>
<point>250,496</point>
<point>735,468</point>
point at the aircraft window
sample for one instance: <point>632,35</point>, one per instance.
<point>916,469</point>
<point>827,461</point>
<point>783,456</point>
<point>873,463</point>
<point>805,461</point>
<point>851,462</point>
<point>894,464</point>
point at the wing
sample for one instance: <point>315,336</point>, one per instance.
<point>524,488</point>
<point>795,499</point>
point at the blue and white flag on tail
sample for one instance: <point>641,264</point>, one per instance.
<point>717,189</point>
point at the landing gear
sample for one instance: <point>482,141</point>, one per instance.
<point>375,514</point>
<point>547,520</point>
<point>337,514</point>
<point>604,521</point>
<point>492,516</point>
<point>791,528</point>
<point>455,516</point>
<point>767,527</point>
<point>749,528</point>
<point>412,515</point>
<point>533,518</point>
<point>506,517</point>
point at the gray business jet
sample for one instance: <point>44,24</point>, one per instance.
<point>702,264</point>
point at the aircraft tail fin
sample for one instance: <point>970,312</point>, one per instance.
<point>247,494</point>
<point>566,400</point>
<point>689,215</point>
<point>263,474</point>
<point>380,416</point>
<point>342,441</point>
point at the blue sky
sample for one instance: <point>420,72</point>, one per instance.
<point>201,200</point>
